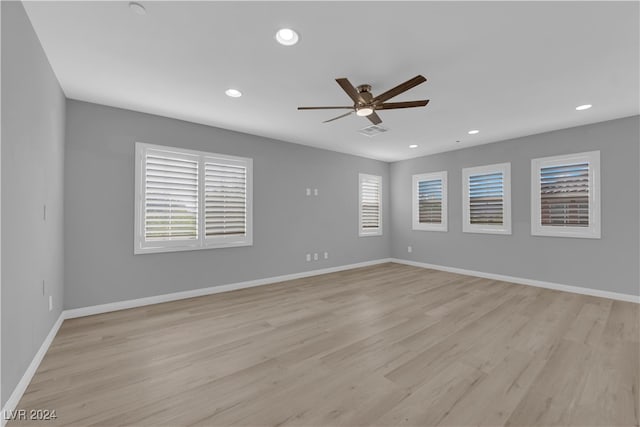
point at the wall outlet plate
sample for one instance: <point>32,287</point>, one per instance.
<point>409,249</point>
<point>308,257</point>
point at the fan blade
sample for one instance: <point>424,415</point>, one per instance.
<point>339,117</point>
<point>324,108</point>
<point>399,89</point>
<point>346,85</point>
<point>408,104</point>
<point>374,118</point>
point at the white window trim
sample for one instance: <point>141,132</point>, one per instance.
<point>442,175</point>
<point>505,228</point>
<point>143,247</point>
<point>378,231</point>
<point>590,232</point>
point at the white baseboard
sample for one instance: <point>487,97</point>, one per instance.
<point>123,305</point>
<point>15,397</point>
<point>522,281</point>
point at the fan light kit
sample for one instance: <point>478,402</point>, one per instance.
<point>473,132</point>
<point>366,105</point>
<point>363,112</point>
<point>233,93</point>
<point>583,107</point>
<point>287,37</point>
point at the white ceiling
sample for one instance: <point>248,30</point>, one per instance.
<point>508,69</point>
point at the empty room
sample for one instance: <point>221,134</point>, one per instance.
<point>333,213</point>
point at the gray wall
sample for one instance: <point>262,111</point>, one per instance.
<point>100,266</point>
<point>33,119</point>
<point>609,263</point>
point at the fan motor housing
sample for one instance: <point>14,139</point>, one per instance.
<point>365,93</point>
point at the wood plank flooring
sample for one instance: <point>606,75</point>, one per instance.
<point>383,345</point>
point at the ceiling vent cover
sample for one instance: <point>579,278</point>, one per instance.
<point>373,130</point>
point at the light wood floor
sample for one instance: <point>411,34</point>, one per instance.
<point>383,345</point>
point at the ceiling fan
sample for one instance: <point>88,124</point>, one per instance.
<point>366,105</point>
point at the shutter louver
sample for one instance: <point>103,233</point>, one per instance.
<point>486,199</point>
<point>430,201</point>
<point>564,195</point>
<point>225,199</point>
<point>170,198</point>
<point>370,204</point>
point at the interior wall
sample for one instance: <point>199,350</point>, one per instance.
<point>33,120</point>
<point>608,264</point>
<point>99,209</point>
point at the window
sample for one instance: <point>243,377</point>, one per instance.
<point>565,195</point>
<point>486,199</point>
<point>370,205</point>
<point>188,200</point>
<point>430,201</point>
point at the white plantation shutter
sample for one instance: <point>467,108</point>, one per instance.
<point>370,204</point>
<point>190,200</point>
<point>565,197</point>
<point>487,199</point>
<point>225,199</point>
<point>430,201</point>
<point>170,196</point>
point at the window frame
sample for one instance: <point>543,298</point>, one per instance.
<point>505,228</point>
<point>593,231</point>
<point>431,176</point>
<point>377,232</point>
<point>141,246</point>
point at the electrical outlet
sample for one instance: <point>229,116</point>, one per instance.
<point>326,255</point>
<point>315,256</point>
<point>308,257</point>
<point>50,302</point>
<point>315,191</point>
<point>308,191</point>
<point>409,249</point>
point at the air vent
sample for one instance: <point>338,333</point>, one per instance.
<point>373,130</point>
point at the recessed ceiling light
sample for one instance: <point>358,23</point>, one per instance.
<point>287,37</point>
<point>583,107</point>
<point>413,146</point>
<point>137,8</point>
<point>473,132</point>
<point>233,93</point>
